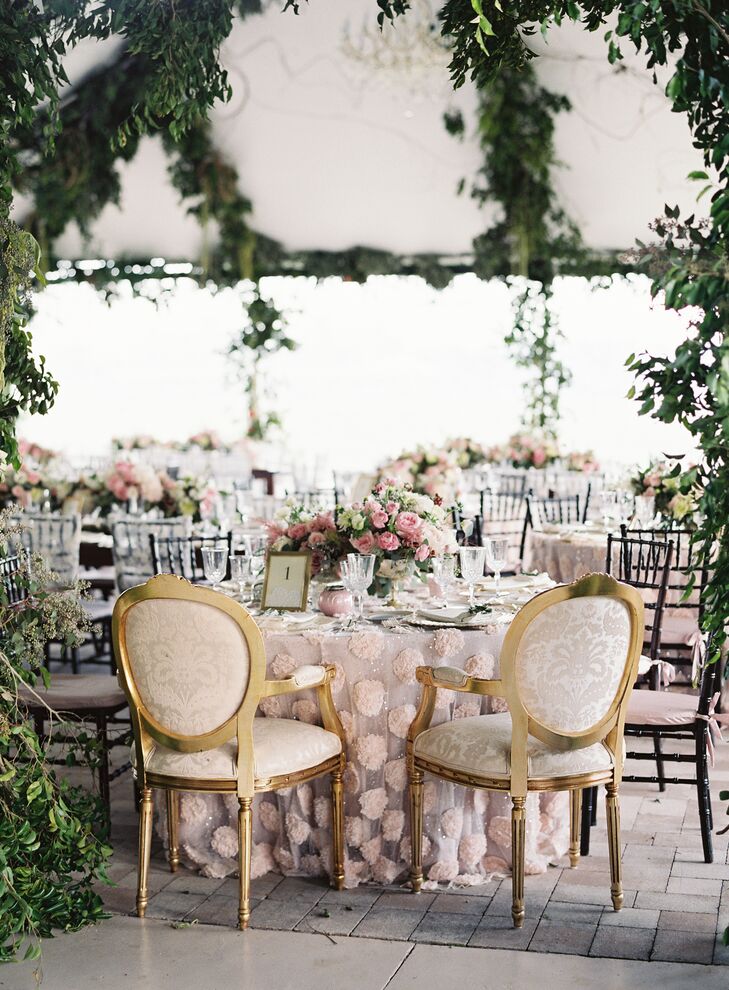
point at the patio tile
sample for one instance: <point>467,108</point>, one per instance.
<point>498,932</point>
<point>406,902</point>
<point>690,885</point>
<point>581,894</point>
<point>298,889</point>
<point>278,915</point>
<point>623,943</point>
<point>631,918</point>
<point>193,883</point>
<point>676,902</point>
<point>689,921</point>
<point>673,946</point>
<point>447,904</point>
<point>218,911</point>
<point>706,871</point>
<point>389,923</point>
<point>118,900</point>
<point>357,897</point>
<point>445,928</point>
<point>333,919</point>
<point>563,912</point>
<point>653,854</point>
<point>572,939</point>
<point>173,906</point>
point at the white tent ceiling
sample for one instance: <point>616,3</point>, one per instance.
<point>332,155</point>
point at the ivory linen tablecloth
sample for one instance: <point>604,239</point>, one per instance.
<point>566,556</point>
<point>467,832</point>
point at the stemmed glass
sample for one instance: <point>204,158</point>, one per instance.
<point>624,506</point>
<point>257,563</point>
<point>608,507</point>
<point>357,572</point>
<point>214,559</point>
<point>645,509</point>
<point>240,571</point>
<point>444,573</point>
<point>497,551</point>
<point>472,564</point>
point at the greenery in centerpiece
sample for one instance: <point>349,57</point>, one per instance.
<point>674,491</point>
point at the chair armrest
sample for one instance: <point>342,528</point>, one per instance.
<point>307,676</point>
<point>455,679</point>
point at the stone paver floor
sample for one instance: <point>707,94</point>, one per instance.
<point>676,906</point>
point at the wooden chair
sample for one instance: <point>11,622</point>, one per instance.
<point>132,554</point>
<point>182,555</point>
<point>193,667</point>
<point>568,664</point>
<point>555,511</point>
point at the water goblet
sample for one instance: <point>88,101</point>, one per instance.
<point>608,507</point>
<point>240,571</point>
<point>497,551</point>
<point>472,564</point>
<point>624,506</point>
<point>357,574</point>
<point>258,562</point>
<point>645,510</point>
<point>214,559</point>
<point>444,573</point>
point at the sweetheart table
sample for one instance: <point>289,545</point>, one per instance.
<point>467,833</point>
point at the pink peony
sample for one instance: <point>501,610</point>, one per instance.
<point>480,665</point>
<point>364,543</point>
<point>298,531</point>
<point>448,642</point>
<point>316,538</point>
<point>224,842</point>
<point>409,525</point>
<point>388,541</point>
<point>423,552</point>
<point>379,518</point>
<point>366,645</point>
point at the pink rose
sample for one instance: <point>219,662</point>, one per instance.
<point>298,531</point>
<point>388,541</point>
<point>423,552</point>
<point>364,543</point>
<point>379,518</point>
<point>409,525</point>
<point>316,538</point>
<point>539,457</point>
<point>391,507</point>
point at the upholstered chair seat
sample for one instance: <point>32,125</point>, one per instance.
<point>661,708</point>
<point>280,746</point>
<point>481,746</point>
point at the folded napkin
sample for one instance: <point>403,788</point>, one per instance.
<point>517,581</point>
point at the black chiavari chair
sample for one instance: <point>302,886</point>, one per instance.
<point>564,510</point>
<point>511,483</point>
<point>182,555</point>
<point>13,590</point>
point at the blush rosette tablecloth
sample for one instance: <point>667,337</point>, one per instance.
<point>467,834</point>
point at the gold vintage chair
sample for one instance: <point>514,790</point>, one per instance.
<point>568,663</point>
<point>192,664</point>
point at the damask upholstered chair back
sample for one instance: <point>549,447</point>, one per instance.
<point>192,664</point>
<point>569,661</point>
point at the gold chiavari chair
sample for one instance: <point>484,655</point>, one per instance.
<point>568,663</point>
<point>192,665</point>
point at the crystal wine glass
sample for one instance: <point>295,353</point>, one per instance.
<point>608,507</point>
<point>240,571</point>
<point>645,510</point>
<point>214,559</point>
<point>497,551</point>
<point>357,573</point>
<point>258,562</point>
<point>444,573</point>
<point>472,565</point>
<point>624,506</point>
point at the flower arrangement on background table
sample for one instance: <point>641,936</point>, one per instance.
<point>523,450</point>
<point>468,453</point>
<point>582,461</point>
<point>434,471</point>
<point>671,489</point>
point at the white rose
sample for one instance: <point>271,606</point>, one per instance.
<point>358,521</point>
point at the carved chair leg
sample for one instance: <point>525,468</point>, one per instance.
<point>145,846</point>
<point>337,830</point>
<point>244,853</point>
<point>416,829</point>
<point>613,831</point>
<point>575,826</point>
<point>172,807</point>
<point>518,838</point>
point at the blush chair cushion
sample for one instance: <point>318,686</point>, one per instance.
<point>661,708</point>
<point>280,746</point>
<point>481,745</point>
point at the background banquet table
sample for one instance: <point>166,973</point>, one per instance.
<point>566,556</point>
<point>467,832</point>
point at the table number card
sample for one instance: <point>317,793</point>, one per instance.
<point>286,583</point>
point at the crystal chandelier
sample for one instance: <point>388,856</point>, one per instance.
<point>409,54</point>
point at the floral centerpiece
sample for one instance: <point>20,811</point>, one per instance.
<point>400,526</point>
<point>522,450</point>
<point>295,528</point>
<point>433,471</point>
<point>140,441</point>
<point>583,461</point>
<point>467,452</point>
<point>205,440</point>
<point>672,491</point>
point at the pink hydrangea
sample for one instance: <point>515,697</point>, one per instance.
<point>500,831</point>
<point>262,861</point>
<point>306,711</point>
<point>283,665</point>
<point>269,816</point>
<point>406,663</point>
<point>323,812</point>
<point>371,849</point>
<point>350,779</point>
<point>467,709</point>
<point>297,829</point>
<point>373,803</point>
<point>392,825</point>
<point>193,808</point>
<point>495,866</point>
<point>366,645</point>
<point>399,720</point>
<point>480,665</point>
<point>471,849</point>
<point>369,697</point>
<point>396,774</point>
<point>385,870</point>
<point>443,870</point>
<point>451,821</point>
<point>284,858</point>
<point>353,831</point>
<point>371,751</point>
<point>448,642</point>
<point>271,707</point>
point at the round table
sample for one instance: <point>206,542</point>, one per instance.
<point>467,832</point>
<point>566,556</point>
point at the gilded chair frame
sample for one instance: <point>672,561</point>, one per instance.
<point>609,730</point>
<point>148,731</point>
